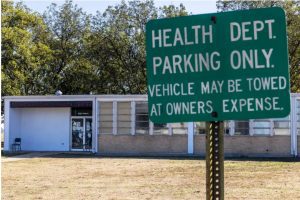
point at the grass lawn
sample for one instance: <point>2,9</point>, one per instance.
<point>68,177</point>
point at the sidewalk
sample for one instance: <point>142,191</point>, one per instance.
<point>27,156</point>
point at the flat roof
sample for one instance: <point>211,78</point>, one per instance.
<point>87,96</point>
<point>83,97</point>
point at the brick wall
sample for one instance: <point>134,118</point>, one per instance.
<point>279,145</point>
<point>142,144</point>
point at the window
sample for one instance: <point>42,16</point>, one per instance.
<point>261,127</point>
<point>226,127</point>
<point>105,118</point>
<point>160,129</point>
<point>179,128</point>
<point>123,117</point>
<point>241,128</point>
<point>298,115</point>
<point>142,121</point>
<point>141,118</point>
<point>199,128</point>
<point>282,126</point>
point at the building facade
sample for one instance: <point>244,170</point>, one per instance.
<point>119,124</point>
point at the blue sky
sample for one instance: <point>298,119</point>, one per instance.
<point>91,6</point>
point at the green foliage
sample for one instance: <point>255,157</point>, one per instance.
<point>173,11</point>
<point>25,53</point>
<point>118,44</point>
<point>69,27</point>
<point>292,10</point>
<point>68,50</point>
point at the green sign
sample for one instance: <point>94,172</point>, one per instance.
<point>221,66</point>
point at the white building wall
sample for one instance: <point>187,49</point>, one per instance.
<point>14,125</point>
<point>45,129</point>
<point>6,125</point>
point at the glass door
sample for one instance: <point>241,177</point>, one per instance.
<point>82,133</point>
<point>88,134</point>
<point>77,133</point>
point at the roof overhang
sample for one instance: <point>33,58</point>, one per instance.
<point>47,104</point>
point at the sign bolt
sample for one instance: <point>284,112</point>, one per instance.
<point>214,19</point>
<point>214,114</point>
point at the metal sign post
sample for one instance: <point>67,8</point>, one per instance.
<point>215,161</point>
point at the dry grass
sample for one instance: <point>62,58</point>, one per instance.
<point>85,178</point>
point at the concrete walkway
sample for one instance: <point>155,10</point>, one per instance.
<point>27,156</point>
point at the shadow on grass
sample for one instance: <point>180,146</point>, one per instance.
<point>81,155</point>
<point>172,157</point>
<point>12,154</point>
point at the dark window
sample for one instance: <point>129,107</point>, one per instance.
<point>241,128</point>
<point>82,112</point>
<point>141,118</point>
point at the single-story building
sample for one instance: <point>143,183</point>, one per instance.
<point>119,124</point>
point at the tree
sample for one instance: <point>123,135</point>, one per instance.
<point>173,11</point>
<point>118,41</point>
<point>68,50</point>
<point>25,53</point>
<point>292,10</point>
<point>69,27</point>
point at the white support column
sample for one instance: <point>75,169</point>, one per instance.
<point>133,118</point>
<point>115,117</point>
<point>271,122</point>
<point>151,128</point>
<point>190,137</point>
<point>6,124</point>
<point>231,127</point>
<point>95,125</point>
<point>169,125</point>
<point>293,126</point>
<point>251,127</point>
